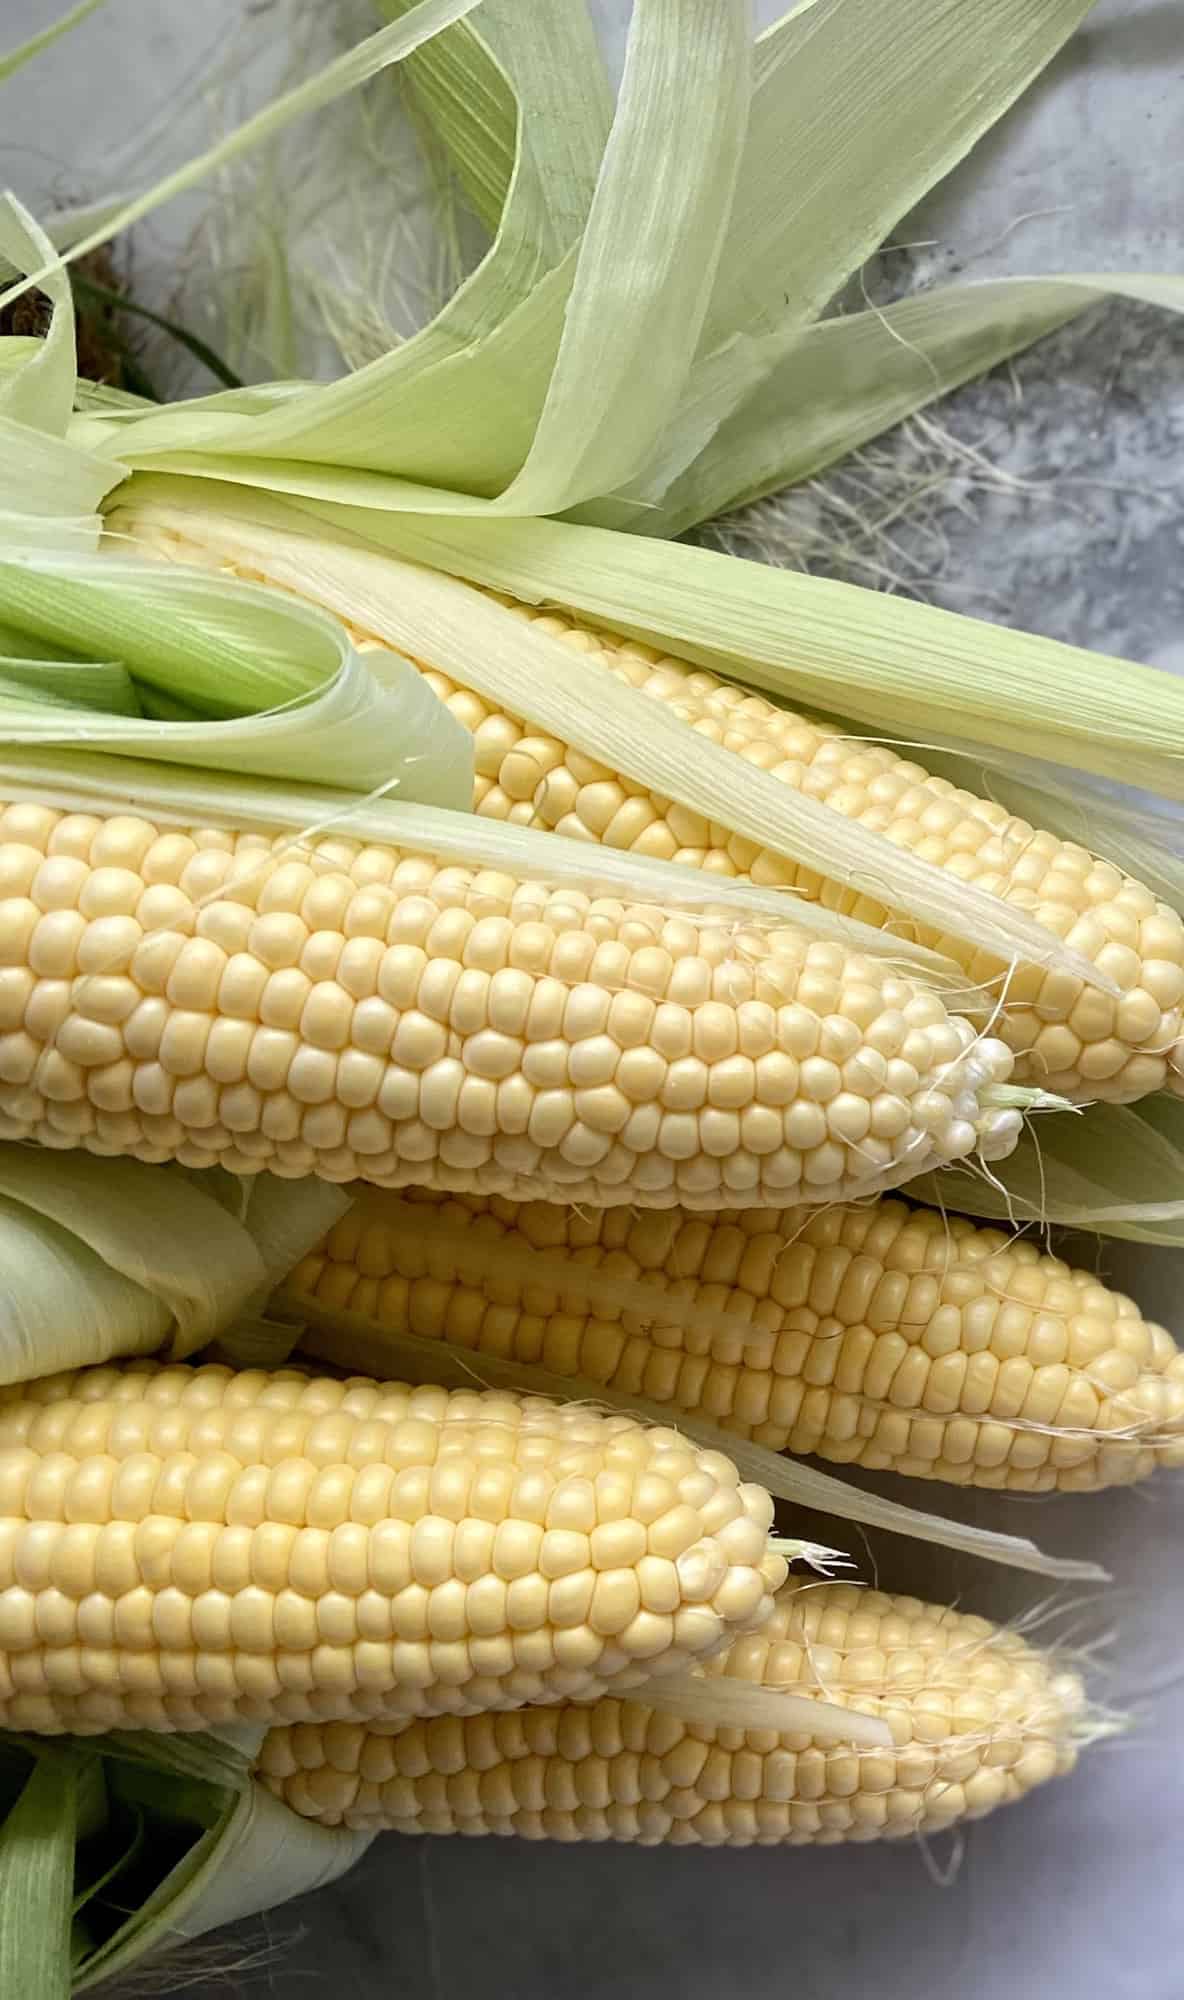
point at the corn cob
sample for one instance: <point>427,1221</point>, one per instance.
<point>1069,1039</point>
<point>351,1011</point>
<point>181,1547</point>
<point>978,1718</point>
<point>875,1335</point>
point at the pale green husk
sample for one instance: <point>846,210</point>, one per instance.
<point>206,699</point>
<point>639,344</point>
<point>457,630</point>
<point>100,1258</point>
<point>1116,1169</point>
<point>24,52</point>
<point>115,1849</point>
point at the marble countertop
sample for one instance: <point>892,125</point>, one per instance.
<point>1074,527</point>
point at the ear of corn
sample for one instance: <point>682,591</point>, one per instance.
<point>872,1335</point>
<point>353,1011</point>
<point>186,1547</point>
<point>978,1717</point>
<point>1069,1038</point>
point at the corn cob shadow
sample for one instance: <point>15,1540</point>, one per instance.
<point>874,1335</point>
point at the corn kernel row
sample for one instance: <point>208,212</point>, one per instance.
<point>870,1334</point>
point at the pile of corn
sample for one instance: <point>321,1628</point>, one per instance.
<point>643,1152</point>
<point>632,1151</point>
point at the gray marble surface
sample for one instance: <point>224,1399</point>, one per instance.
<point>1069,522</point>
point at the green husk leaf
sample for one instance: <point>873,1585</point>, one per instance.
<point>178,1839</point>
<point>845,381</point>
<point>857,113</point>
<point>101,685</point>
<point>50,489</point>
<point>121,1859</point>
<point>468,101</point>
<point>105,1257</point>
<point>37,1882</point>
<point>848,379</point>
<point>39,394</point>
<point>45,37</point>
<point>62,227</point>
<point>460,400</point>
<point>247,1853</point>
<point>1112,1170</point>
<point>79,782</point>
<point>825,108</point>
<point>470,83</point>
<point>654,230</point>
<point>472,401</point>
<point>649,254</point>
<point>822,97</point>
<point>347,1339</point>
<point>261,685</point>
<point>811,641</point>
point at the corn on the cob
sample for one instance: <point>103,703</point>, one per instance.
<point>1069,1039</point>
<point>181,1547</point>
<point>875,1335</point>
<point>978,1718</point>
<point>351,1011</point>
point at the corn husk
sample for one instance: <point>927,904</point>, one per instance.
<point>24,52</point>
<point>456,629</point>
<point>100,1258</point>
<point>685,296</point>
<point>112,1851</point>
<point>209,700</point>
<point>1116,1169</point>
<point>890,664</point>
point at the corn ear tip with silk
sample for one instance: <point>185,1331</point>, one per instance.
<point>355,1011</point>
<point>976,1717</point>
<point>1114,1040</point>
